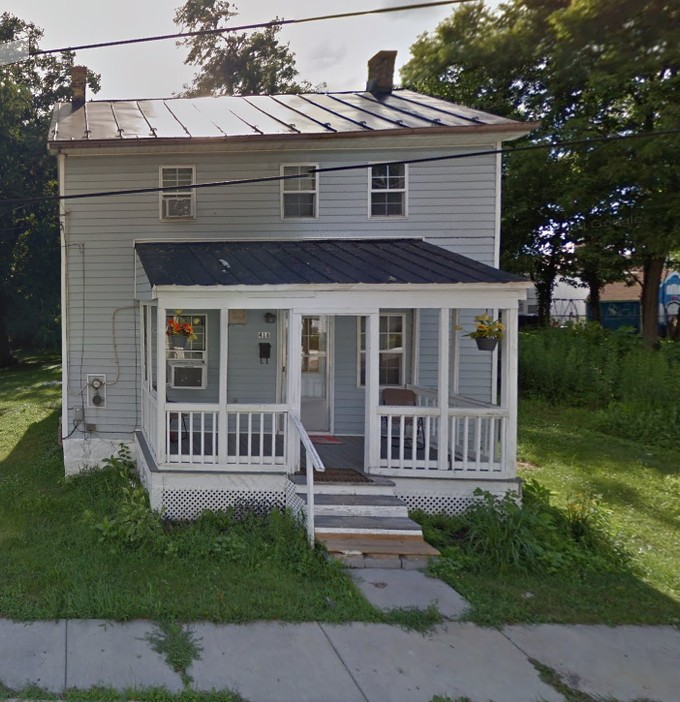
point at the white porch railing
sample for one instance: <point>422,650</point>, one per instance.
<point>476,437</point>
<point>245,435</point>
<point>257,435</point>
<point>312,462</point>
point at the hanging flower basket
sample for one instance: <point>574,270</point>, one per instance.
<point>487,332</point>
<point>178,333</point>
<point>486,343</point>
<point>178,341</point>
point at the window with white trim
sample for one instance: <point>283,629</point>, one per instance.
<point>391,364</point>
<point>180,203</point>
<point>299,196</point>
<point>187,351</point>
<point>387,190</point>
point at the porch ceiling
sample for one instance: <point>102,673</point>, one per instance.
<point>313,262</point>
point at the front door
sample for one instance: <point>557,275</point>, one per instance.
<point>315,410</point>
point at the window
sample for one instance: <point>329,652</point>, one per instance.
<point>187,355</point>
<point>299,195</point>
<point>313,344</point>
<point>177,204</point>
<point>391,349</point>
<point>387,190</point>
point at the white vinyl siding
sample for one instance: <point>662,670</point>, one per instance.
<point>179,203</point>
<point>451,204</point>
<point>299,196</point>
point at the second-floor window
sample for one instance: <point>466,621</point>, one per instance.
<point>299,196</point>
<point>387,190</point>
<point>179,203</point>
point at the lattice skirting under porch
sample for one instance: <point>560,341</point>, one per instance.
<point>188,504</point>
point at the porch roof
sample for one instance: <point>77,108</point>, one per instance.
<point>312,262</point>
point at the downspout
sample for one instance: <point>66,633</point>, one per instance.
<point>63,240</point>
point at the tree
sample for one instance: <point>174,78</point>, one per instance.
<point>586,69</point>
<point>235,64</point>
<point>29,233</point>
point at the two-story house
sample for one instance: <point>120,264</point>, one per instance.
<point>315,252</point>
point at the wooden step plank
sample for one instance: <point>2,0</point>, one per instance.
<point>380,524</point>
<point>378,546</point>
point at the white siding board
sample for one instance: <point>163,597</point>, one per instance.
<point>451,203</point>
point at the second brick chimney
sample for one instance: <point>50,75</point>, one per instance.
<point>78,86</point>
<point>381,73</point>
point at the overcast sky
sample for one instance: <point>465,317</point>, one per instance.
<point>334,52</point>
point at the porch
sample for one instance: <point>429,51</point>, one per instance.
<point>268,365</point>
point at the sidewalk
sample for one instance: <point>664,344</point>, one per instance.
<point>273,662</point>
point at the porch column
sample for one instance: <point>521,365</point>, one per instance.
<point>454,382</point>
<point>222,417</point>
<point>372,389</point>
<point>160,390</point>
<point>509,349</point>
<point>293,385</point>
<point>443,389</point>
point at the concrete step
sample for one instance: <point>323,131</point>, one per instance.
<point>358,505</point>
<point>327,525</point>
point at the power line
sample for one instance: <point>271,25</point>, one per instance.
<point>334,169</point>
<point>244,27</point>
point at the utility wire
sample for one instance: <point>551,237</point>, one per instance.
<point>243,27</point>
<point>335,169</point>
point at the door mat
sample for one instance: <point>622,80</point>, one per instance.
<point>325,439</point>
<point>339,475</point>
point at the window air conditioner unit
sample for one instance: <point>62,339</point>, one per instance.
<point>188,375</point>
<point>177,207</point>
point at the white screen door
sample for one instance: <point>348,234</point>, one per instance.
<point>315,410</point>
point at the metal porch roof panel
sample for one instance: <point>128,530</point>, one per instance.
<point>311,262</point>
<point>263,115</point>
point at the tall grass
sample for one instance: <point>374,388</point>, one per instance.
<point>632,391</point>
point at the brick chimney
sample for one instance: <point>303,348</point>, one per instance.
<point>78,86</point>
<point>381,73</point>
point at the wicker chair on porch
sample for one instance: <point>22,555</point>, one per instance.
<point>402,397</point>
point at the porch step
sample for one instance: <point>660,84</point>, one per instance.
<point>375,486</point>
<point>358,505</point>
<point>397,526</point>
<point>374,551</point>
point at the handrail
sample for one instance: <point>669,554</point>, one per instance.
<point>312,462</point>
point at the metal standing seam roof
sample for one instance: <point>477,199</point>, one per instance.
<point>263,115</point>
<point>311,262</point>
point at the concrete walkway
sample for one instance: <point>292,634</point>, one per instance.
<point>273,662</point>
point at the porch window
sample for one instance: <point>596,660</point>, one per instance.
<point>391,353</point>
<point>299,195</point>
<point>180,203</point>
<point>187,355</point>
<point>387,190</point>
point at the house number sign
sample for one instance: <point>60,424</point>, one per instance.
<point>264,335</point>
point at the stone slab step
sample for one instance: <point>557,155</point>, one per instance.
<point>365,525</point>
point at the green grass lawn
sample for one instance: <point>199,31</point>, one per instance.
<point>54,565</point>
<point>639,488</point>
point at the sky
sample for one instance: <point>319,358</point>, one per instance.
<point>334,52</point>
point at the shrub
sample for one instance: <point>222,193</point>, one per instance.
<point>504,534</point>
<point>632,391</point>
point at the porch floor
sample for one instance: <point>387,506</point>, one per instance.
<point>350,452</point>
